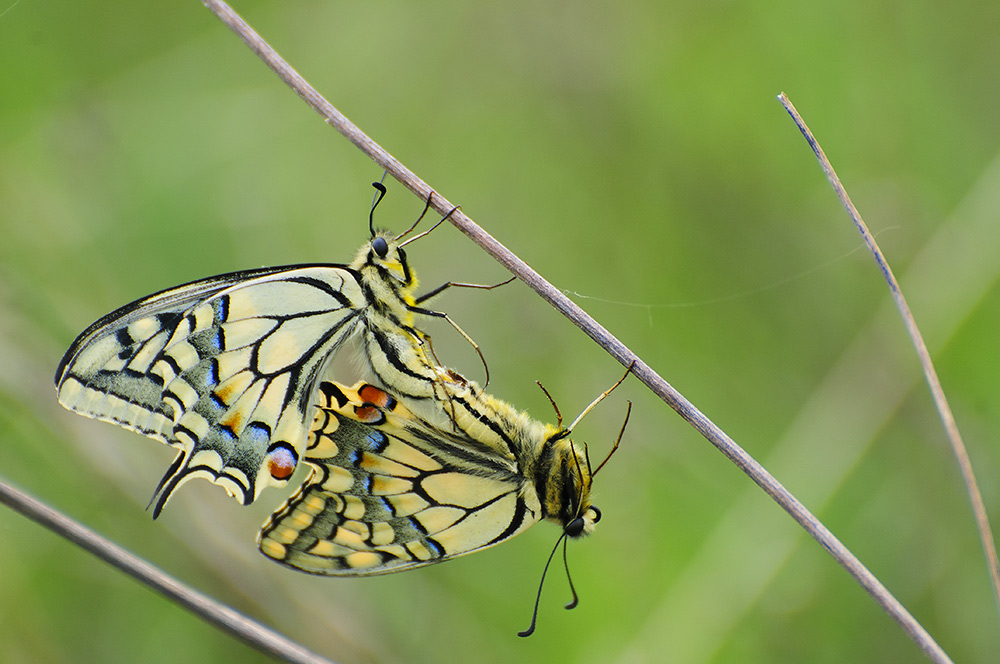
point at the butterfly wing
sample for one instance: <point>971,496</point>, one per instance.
<point>388,492</point>
<point>223,369</point>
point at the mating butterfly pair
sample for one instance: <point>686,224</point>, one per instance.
<point>230,370</point>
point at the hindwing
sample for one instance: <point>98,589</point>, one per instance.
<point>388,491</point>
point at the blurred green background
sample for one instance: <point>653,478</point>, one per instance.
<point>634,153</point>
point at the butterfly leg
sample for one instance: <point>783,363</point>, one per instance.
<point>553,402</point>
<point>600,397</point>
<point>437,291</point>
<point>441,314</point>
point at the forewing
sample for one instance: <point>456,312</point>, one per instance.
<point>387,492</point>
<point>98,377</point>
<point>223,369</point>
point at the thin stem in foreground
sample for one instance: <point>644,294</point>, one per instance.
<point>598,333</point>
<point>251,632</point>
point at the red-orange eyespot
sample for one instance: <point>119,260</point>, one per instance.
<point>281,463</point>
<point>369,414</point>
<point>371,394</point>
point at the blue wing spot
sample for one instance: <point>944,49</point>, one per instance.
<point>376,441</point>
<point>208,343</point>
<point>378,504</point>
<point>419,527</point>
<point>219,340</point>
<point>221,307</point>
<point>434,546</point>
<point>227,433</point>
<point>257,434</point>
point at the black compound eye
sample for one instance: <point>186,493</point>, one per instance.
<point>380,246</point>
<point>597,514</point>
<point>574,527</point>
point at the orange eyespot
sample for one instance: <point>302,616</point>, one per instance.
<point>281,462</point>
<point>369,414</point>
<point>373,395</point>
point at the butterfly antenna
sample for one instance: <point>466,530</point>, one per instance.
<point>614,447</point>
<point>579,502</point>
<point>538,595</point>
<point>380,188</point>
<point>576,598</point>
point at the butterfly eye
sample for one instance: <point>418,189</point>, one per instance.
<point>380,246</point>
<point>575,527</point>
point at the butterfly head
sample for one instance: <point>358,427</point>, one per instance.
<point>565,491</point>
<point>383,256</point>
<point>566,495</point>
<point>567,481</point>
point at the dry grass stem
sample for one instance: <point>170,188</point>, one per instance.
<point>927,365</point>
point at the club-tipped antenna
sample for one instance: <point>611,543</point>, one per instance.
<point>576,598</point>
<point>538,595</point>
<point>379,195</point>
